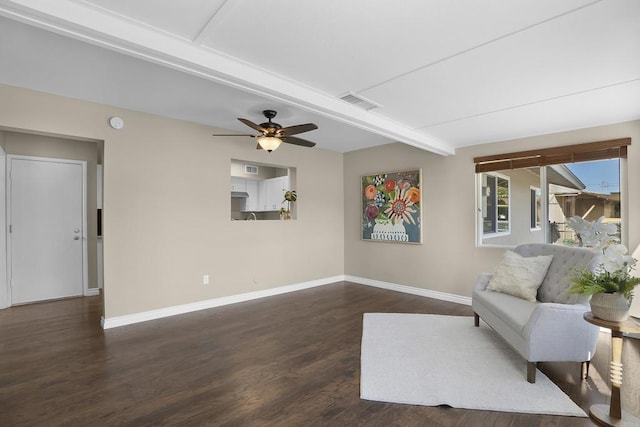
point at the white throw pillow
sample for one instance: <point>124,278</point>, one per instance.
<point>520,276</point>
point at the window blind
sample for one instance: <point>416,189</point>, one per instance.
<point>600,150</point>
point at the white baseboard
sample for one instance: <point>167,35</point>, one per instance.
<point>443,296</point>
<point>92,292</point>
<point>114,322</point>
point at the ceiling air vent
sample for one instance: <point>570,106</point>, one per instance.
<point>251,169</point>
<point>360,101</point>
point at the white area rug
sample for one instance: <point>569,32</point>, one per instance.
<point>424,359</point>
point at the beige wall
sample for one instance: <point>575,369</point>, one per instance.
<point>43,146</point>
<point>166,206</point>
<point>449,260</point>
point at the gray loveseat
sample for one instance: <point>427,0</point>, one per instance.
<point>551,329</point>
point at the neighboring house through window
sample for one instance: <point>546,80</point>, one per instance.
<point>495,203</point>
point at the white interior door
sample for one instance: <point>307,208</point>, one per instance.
<point>46,228</point>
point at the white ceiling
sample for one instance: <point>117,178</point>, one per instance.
<point>446,73</point>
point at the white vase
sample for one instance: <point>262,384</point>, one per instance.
<point>612,307</point>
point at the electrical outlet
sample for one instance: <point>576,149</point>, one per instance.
<point>205,279</point>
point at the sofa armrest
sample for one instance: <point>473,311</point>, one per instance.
<point>559,332</point>
<point>482,281</point>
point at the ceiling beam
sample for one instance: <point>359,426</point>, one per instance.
<point>80,21</point>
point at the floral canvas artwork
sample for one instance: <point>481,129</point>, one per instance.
<point>392,207</point>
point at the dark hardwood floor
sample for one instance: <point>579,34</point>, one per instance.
<point>289,360</point>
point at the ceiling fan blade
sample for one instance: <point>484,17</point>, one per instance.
<point>298,141</point>
<point>294,130</point>
<point>252,125</point>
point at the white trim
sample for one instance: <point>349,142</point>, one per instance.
<point>496,234</point>
<point>5,296</point>
<point>129,319</point>
<point>443,296</point>
<point>114,322</point>
<point>85,231</point>
<point>91,292</point>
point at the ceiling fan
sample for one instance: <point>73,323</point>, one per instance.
<point>273,134</point>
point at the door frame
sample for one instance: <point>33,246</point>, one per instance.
<point>85,257</point>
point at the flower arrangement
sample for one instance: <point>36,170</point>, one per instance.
<point>289,197</point>
<point>613,275</point>
<point>596,234</point>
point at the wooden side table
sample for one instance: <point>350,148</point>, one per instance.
<point>614,415</point>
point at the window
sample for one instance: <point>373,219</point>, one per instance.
<point>495,203</point>
<point>536,207</point>
<point>527,197</point>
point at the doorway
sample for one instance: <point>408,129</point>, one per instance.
<point>47,223</point>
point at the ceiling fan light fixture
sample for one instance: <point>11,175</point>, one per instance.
<point>272,134</point>
<point>269,143</point>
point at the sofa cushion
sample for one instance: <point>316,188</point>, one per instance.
<point>566,259</point>
<point>519,276</point>
<point>513,311</point>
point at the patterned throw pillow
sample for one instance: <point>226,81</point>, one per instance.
<point>520,276</point>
